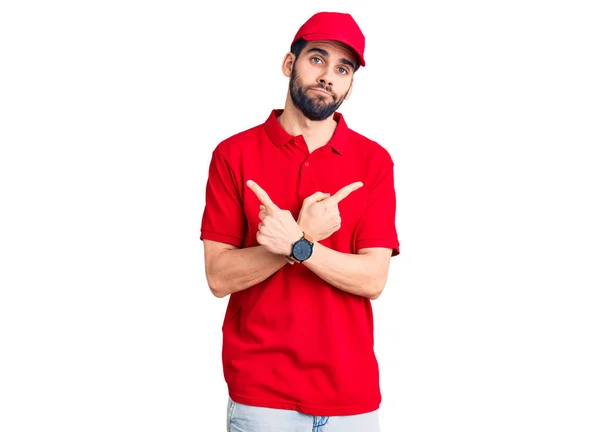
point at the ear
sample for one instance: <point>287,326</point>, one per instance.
<point>288,62</point>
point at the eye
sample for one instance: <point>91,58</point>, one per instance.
<point>343,70</point>
<point>315,58</point>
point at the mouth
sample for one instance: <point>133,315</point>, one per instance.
<point>321,91</point>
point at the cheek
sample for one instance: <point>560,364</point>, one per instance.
<point>307,74</point>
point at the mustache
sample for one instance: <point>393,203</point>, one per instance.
<point>322,87</point>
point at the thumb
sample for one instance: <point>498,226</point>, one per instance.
<point>317,196</point>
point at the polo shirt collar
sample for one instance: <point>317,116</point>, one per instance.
<point>280,136</point>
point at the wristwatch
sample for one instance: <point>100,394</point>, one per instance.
<point>302,249</point>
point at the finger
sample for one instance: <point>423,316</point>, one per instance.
<point>317,196</point>
<point>262,196</point>
<point>261,238</point>
<point>344,192</point>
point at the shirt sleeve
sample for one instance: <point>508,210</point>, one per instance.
<point>223,219</point>
<point>377,225</point>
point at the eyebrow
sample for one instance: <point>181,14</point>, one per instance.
<point>326,54</point>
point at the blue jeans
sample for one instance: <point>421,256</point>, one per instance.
<point>246,418</point>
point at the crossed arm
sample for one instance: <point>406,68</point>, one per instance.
<point>364,273</point>
<point>230,269</point>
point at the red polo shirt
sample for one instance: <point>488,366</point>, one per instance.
<point>294,341</point>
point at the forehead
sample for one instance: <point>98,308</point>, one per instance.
<point>334,49</point>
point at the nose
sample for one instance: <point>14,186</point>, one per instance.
<point>325,78</point>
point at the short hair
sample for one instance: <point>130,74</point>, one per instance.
<point>299,45</point>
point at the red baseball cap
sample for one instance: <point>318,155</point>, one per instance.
<point>336,26</point>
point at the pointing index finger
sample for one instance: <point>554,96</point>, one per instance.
<point>262,196</point>
<point>344,192</point>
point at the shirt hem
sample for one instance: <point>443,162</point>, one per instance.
<point>223,238</point>
<point>379,242</point>
<point>315,410</point>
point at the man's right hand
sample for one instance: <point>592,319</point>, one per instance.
<point>320,215</point>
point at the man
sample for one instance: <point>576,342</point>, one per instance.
<point>299,228</point>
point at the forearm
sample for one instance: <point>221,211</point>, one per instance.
<point>353,273</point>
<point>238,269</point>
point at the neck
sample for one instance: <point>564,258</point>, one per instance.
<point>316,133</point>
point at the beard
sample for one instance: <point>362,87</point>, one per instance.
<point>313,108</point>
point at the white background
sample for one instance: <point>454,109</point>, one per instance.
<point>109,112</point>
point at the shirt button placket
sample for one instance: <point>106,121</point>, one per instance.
<point>306,181</point>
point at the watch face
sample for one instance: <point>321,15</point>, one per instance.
<point>302,250</point>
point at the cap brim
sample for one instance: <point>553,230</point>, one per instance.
<point>326,36</point>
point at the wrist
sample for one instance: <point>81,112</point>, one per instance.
<point>297,236</point>
<point>303,229</point>
<point>301,249</point>
<point>300,224</point>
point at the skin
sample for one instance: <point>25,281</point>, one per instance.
<point>320,80</point>
<point>314,71</point>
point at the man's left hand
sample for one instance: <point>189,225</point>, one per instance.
<point>277,230</point>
